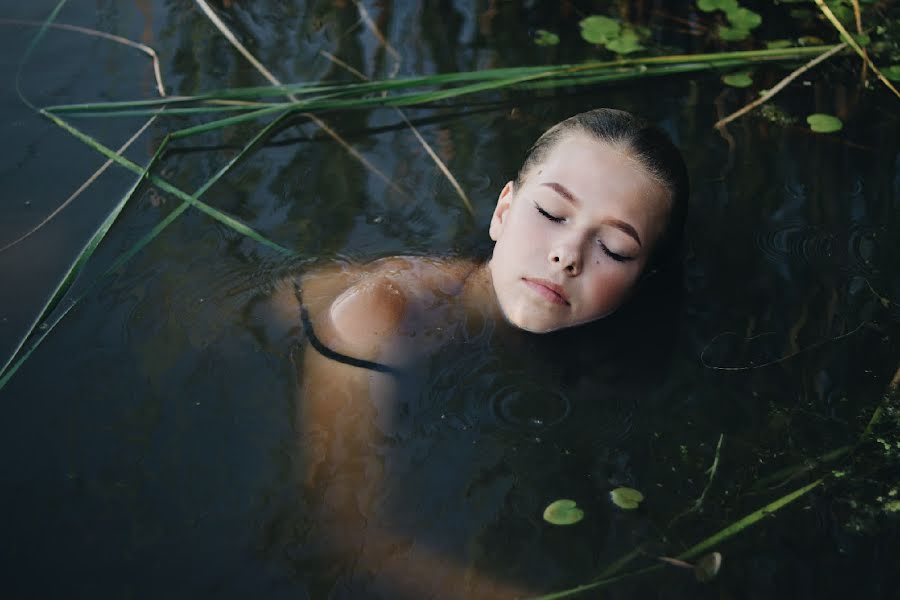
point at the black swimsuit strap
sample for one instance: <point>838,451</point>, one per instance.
<point>327,352</point>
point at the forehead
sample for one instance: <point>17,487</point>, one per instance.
<point>607,180</point>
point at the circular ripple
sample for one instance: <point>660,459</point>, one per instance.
<point>526,406</point>
<point>854,251</point>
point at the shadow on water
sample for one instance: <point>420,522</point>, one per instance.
<point>150,447</point>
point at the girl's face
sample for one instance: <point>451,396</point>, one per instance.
<point>573,240</point>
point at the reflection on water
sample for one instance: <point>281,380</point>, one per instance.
<point>151,446</point>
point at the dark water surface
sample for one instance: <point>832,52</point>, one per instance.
<point>149,447</point>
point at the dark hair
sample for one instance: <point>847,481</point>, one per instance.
<point>642,141</point>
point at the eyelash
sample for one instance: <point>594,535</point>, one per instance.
<point>607,251</point>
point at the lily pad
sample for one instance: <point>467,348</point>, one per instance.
<point>598,29</point>
<point>723,5</point>
<point>542,37</point>
<point>892,72</point>
<point>626,43</point>
<point>627,498</point>
<point>744,18</point>
<point>732,34</point>
<point>563,512</point>
<point>738,80</point>
<point>822,123</point>
<point>708,567</point>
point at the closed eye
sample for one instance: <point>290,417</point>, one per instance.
<point>547,215</point>
<point>613,255</point>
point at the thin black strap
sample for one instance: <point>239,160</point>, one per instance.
<point>328,352</point>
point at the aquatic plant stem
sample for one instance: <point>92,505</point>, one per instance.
<point>168,187</point>
<point>770,93</point>
<point>853,44</point>
<point>160,88</point>
<point>484,80</point>
<point>431,153</point>
<point>857,17</point>
<point>698,503</point>
<point>370,23</point>
<point>223,29</point>
<point>87,183</point>
<point>9,369</point>
<point>428,149</point>
<point>777,360</point>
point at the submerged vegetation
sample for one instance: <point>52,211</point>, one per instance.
<point>864,35</point>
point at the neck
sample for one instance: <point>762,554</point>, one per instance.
<point>478,296</point>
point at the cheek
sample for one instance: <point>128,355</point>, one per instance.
<point>609,288</point>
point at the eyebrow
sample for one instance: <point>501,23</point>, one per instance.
<point>617,223</point>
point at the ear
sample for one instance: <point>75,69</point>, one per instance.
<point>498,219</point>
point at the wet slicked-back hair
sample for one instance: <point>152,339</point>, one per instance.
<point>642,141</point>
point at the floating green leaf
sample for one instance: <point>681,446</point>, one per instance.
<point>738,80</point>
<point>732,34</point>
<point>542,37</point>
<point>822,123</point>
<point>626,43</point>
<point>598,29</point>
<point>892,72</point>
<point>723,5</point>
<point>744,18</point>
<point>563,512</point>
<point>842,11</point>
<point>862,39</point>
<point>627,498</point>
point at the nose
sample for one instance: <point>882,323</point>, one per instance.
<point>566,257</point>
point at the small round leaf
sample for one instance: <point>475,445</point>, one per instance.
<point>625,43</point>
<point>627,498</point>
<point>598,29</point>
<point>744,18</point>
<point>723,5</point>
<point>732,34</point>
<point>738,80</point>
<point>563,512</point>
<point>822,123</point>
<point>542,37</point>
<point>892,72</point>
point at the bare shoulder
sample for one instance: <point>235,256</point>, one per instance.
<point>371,311</point>
<point>379,315</point>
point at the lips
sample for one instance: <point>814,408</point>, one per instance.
<point>548,290</point>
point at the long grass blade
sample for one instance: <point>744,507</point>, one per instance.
<point>620,69</point>
<point>168,187</point>
<point>315,119</point>
<point>431,153</point>
<point>6,374</point>
<point>160,88</point>
<point>87,183</point>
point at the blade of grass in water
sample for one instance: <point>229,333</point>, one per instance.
<point>10,368</point>
<point>168,187</point>
<point>497,78</point>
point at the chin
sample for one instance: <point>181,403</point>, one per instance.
<point>535,325</point>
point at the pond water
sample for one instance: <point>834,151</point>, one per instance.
<point>150,445</point>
